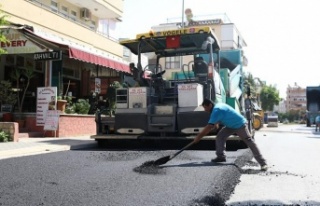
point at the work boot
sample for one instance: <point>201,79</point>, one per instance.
<point>219,159</point>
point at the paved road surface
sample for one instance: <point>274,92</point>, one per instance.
<point>293,153</point>
<point>97,177</point>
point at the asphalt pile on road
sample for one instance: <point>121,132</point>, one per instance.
<point>149,168</point>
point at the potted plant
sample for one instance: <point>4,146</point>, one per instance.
<point>64,100</point>
<point>61,103</point>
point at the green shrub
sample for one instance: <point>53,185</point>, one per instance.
<point>7,95</point>
<point>82,106</point>
<point>70,109</point>
<point>4,136</point>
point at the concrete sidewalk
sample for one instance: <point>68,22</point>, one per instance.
<point>36,145</point>
<point>295,128</point>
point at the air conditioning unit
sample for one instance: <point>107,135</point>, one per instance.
<point>85,14</point>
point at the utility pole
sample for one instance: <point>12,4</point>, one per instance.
<point>182,26</point>
<point>182,20</point>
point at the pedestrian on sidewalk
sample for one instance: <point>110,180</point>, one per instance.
<point>233,123</point>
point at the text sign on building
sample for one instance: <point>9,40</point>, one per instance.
<point>17,43</point>
<point>52,55</point>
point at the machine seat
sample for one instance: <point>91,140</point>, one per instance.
<point>200,67</point>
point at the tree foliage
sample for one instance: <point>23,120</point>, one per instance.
<point>3,22</point>
<point>269,97</point>
<point>255,85</point>
<point>249,82</point>
<point>266,96</point>
<point>292,115</point>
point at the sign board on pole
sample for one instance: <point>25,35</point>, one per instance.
<point>46,100</point>
<point>52,120</point>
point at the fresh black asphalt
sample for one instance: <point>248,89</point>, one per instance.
<point>107,176</point>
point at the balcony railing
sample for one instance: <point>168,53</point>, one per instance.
<point>71,18</point>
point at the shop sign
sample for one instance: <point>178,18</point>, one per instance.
<point>17,43</point>
<point>52,55</point>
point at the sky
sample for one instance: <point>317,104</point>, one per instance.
<point>282,36</point>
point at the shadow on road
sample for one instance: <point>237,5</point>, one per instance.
<point>129,144</point>
<point>200,164</point>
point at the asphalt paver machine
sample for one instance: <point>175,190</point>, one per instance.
<point>165,101</point>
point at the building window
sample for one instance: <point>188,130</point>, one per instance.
<point>103,72</point>
<point>20,61</point>
<point>126,52</point>
<point>92,24</point>
<point>54,6</point>
<point>9,59</point>
<point>173,62</point>
<point>64,11</point>
<point>103,26</point>
<point>71,72</point>
<point>73,15</point>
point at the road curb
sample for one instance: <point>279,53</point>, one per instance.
<point>294,131</point>
<point>33,150</point>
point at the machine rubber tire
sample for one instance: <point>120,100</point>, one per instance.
<point>257,124</point>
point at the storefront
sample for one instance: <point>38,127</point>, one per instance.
<point>74,74</point>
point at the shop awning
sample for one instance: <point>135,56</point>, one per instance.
<point>79,54</point>
<point>98,60</point>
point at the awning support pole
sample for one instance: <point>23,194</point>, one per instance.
<point>48,74</point>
